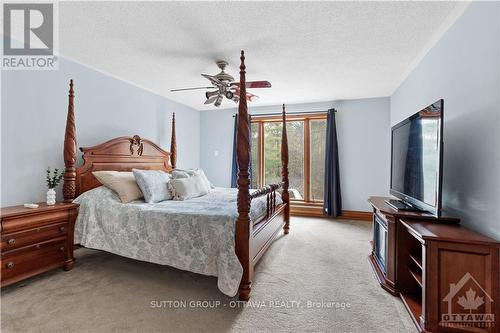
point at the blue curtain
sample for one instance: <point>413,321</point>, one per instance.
<point>332,204</point>
<point>234,170</point>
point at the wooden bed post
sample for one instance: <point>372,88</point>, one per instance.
<point>69,186</point>
<point>242,241</point>
<point>173,145</point>
<point>284,173</point>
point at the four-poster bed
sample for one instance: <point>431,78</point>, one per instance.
<point>251,237</point>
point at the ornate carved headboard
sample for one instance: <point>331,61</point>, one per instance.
<point>118,154</point>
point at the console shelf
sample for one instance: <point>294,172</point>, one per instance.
<point>417,260</point>
<point>417,276</point>
<point>413,304</point>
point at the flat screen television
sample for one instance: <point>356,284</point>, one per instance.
<point>417,159</point>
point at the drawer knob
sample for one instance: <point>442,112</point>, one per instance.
<point>11,241</point>
<point>10,265</point>
<point>62,229</point>
<point>61,249</point>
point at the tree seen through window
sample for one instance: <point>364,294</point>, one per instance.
<point>269,169</point>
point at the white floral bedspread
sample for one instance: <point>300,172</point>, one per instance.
<point>196,235</point>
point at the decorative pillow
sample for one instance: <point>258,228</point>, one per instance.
<point>153,184</point>
<point>187,188</point>
<point>179,173</point>
<point>123,183</point>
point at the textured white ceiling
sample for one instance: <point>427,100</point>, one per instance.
<point>309,51</point>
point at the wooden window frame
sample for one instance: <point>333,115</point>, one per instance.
<point>306,118</point>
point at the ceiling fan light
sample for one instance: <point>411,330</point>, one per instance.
<point>209,94</point>
<point>218,101</point>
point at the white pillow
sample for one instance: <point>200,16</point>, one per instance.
<point>187,188</point>
<point>123,183</point>
<point>153,184</point>
<point>179,173</point>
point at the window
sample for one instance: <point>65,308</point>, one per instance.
<point>254,152</point>
<point>306,148</point>
<point>318,152</point>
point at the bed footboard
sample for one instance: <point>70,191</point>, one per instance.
<point>265,230</point>
<point>270,192</point>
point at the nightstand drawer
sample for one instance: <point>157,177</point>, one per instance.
<point>27,237</point>
<point>28,261</point>
<point>13,224</point>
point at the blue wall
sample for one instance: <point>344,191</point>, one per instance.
<point>363,134</point>
<point>464,69</point>
<point>34,107</point>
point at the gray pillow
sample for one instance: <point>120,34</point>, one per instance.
<point>179,174</point>
<point>153,184</point>
<point>187,188</point>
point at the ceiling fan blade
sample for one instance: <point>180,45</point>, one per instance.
<point>254,84</point>
<point>211,99</point>
<point>215,81</point>
<point>258,84</point>
<point>197,88</point>
<point>250,97</point>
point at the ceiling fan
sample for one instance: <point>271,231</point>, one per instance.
<point>225,86</point>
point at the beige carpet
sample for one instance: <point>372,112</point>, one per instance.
<point>320,261</point>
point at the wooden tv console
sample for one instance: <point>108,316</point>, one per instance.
<point>386,222</point>
<point>446,275</point>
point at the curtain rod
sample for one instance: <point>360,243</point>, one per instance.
<point>288,114</point>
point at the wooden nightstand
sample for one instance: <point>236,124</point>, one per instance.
<point>35,240</point>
